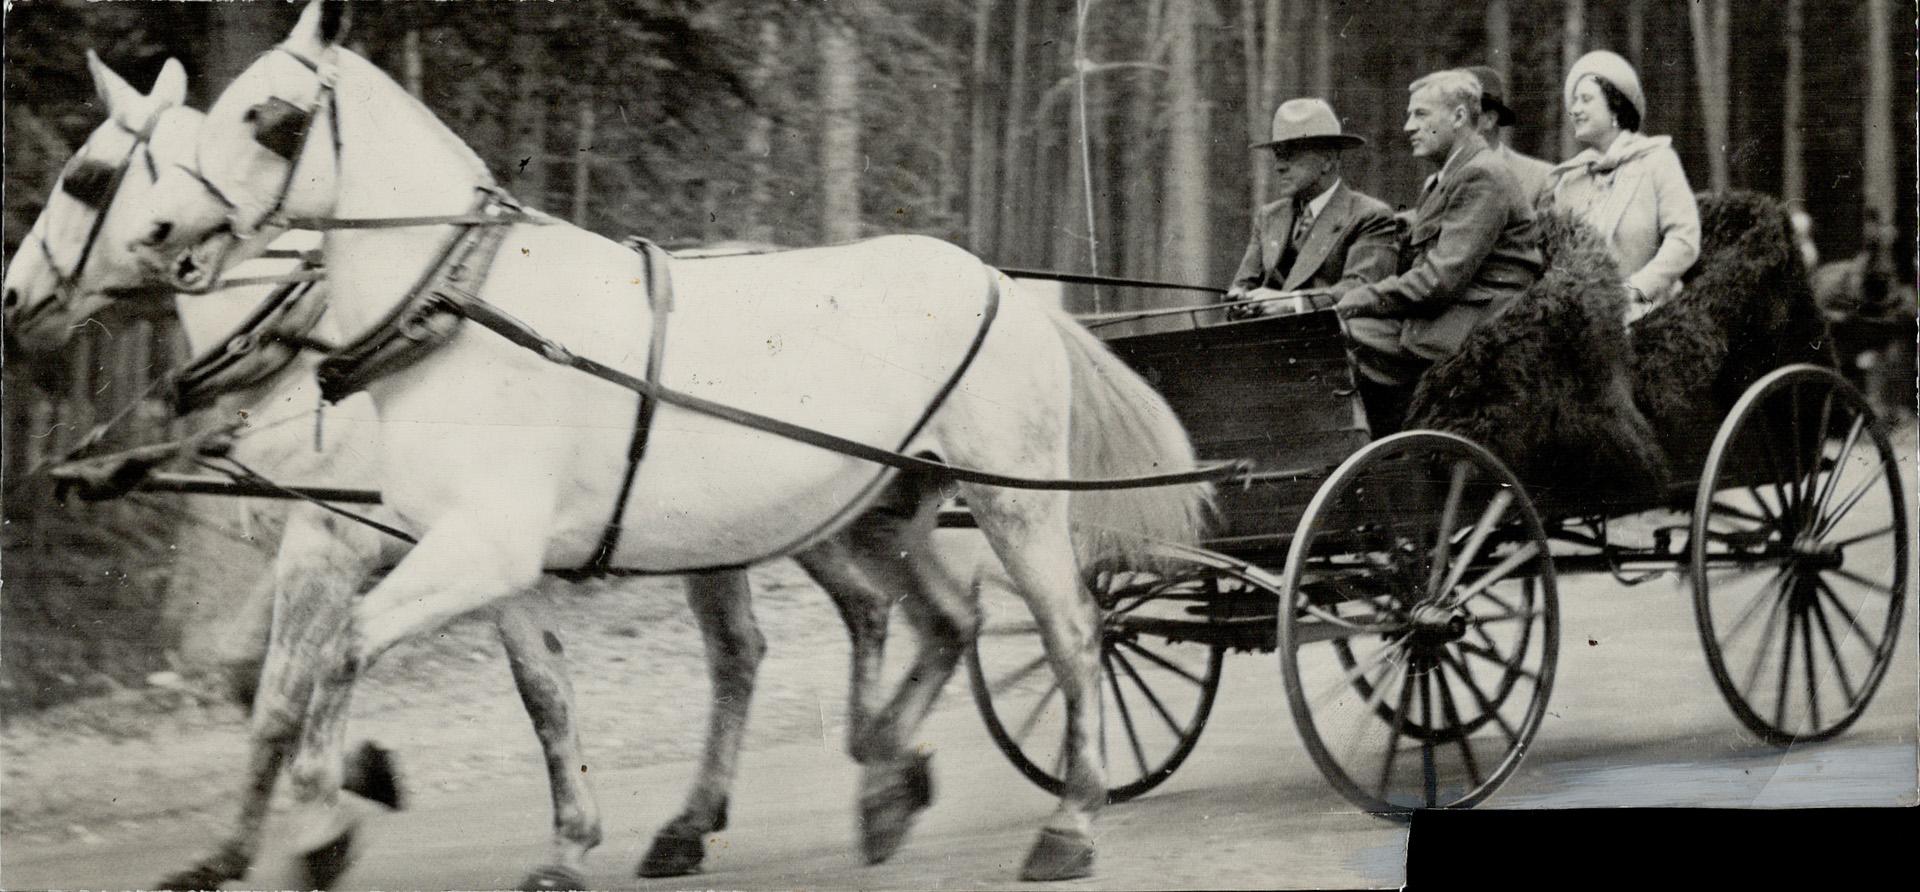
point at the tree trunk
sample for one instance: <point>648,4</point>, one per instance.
<point>1713,95</point>
<point>1793,172</point>
<point>1573,39</point>
<point>412,67</point>
<point>839,131</point>
<point>759,141</point>
<point>1878,156</point>
<point>1009,243</point>
<point>1278,47</point>
<point>1188,251</point>
<point>1323,49</point>
<point>1143,144</point>
<point>1637,32</point>
<point>1257,109</point>
<point>1499,28</point>
<point>980,158</point>
<point>527,166</point>
<point>583,158</point>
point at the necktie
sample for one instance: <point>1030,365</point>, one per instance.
<point>1302,224</point>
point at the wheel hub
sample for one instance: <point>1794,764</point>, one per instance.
<point>1437,624</point>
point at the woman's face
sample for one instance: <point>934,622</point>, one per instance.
<point>1592,121</point>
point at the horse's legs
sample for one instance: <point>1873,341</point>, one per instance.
<point>722,603</point>
<point>884,556</point>
<point>1029,533</point>
<point>316,578</point>
<point>539,667</point>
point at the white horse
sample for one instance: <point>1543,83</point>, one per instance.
<point>323,560</point>
<point>507,464</point>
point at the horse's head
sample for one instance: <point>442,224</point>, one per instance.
<point>263,155</point>
<point>74,258</point>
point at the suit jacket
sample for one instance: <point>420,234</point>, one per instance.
<point>1471,249</point>
<point>1535,175</point>
<point>1352,242</point>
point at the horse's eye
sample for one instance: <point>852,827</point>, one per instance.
<point>279,126</point>
<point>89,182</point>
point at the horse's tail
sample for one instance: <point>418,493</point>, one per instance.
<point>1121,427</point>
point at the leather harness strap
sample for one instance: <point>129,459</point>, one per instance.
<point>660,298</point>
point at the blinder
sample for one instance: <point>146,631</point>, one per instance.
<point>91,183</point>
<point>280,126</point>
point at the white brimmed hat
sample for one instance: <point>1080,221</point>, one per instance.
<point>1308,121</point>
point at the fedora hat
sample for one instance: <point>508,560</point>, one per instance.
<point>1308,121</point>
<point>1493,94</point>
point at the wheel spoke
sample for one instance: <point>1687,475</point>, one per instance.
<point>1489,519</point>
<point>1841,607</point>
<point>1486,705</point>
<point>1753,606</point>
<point>1493,657</point>
<point>1839,466</point>
<point>1853,498</point>
<point>1160,661</point>
<point>1429,780</point>
<point>1858,579</point>
<point>1449,515</point>
<point>1033,718</point>
<point>1380,623</point>
<point>1397,671</point>
<point>1126,715</point>
<point>1786,670</point>
<point>1361,668</point>
<point>1833,650</point>
<point>1452,716</point>
<point>1500,571</point>
<point>1722,510</point>
<point>1006,683</point>
<point>1813,683</point>
<point>1393,738</point>
<point>1788,507</point>
<point>1813,473</point>
<point>1165,715</point>
<point>1766,637</point>
<point>1765,508</point>
<point>1855,540</point>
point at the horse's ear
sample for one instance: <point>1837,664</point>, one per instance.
<point>113,89</point>
<point>170,88</point>
<point>305,38</point>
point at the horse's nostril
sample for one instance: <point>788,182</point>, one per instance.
<point>159,232</point>
<point>13,299</point>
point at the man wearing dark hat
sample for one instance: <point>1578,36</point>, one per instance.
<point>1495,121</point>
<point>1320,234</point>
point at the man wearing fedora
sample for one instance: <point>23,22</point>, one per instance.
<point>1472,249</point>
<point>1496,120</point>
<point>1319,234</point>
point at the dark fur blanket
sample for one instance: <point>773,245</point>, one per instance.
<point>1746,310</point>
<point>1545,384</point>
<point>1586,413</point>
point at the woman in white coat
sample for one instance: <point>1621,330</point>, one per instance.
<point>1629,186</point>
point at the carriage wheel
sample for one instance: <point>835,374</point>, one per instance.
<point>1800,555</point>
<point>1422,568</point>
<point>1159,672</point>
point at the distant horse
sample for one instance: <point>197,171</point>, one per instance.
<point>1872,312</point>
<point>323,561</point>
<point>507,463</point>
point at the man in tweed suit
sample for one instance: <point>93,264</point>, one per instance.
<point>1471,250</point>
<point>1320,234</point>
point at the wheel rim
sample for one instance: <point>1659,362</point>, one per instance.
<point>1443,656</point>
<point>1800,556</point>
<point>1155,692</point>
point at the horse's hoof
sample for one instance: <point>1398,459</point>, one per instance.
<point>1059,855</point>
<point>370,774</point>
<point>208,874</point>
<point>552,877</point>
<point>325,864</point>
<point>673,855</point>
<point>888,806</point>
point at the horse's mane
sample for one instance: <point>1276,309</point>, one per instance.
<point>347,59</point>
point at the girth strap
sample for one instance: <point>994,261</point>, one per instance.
<point>660,298</point>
